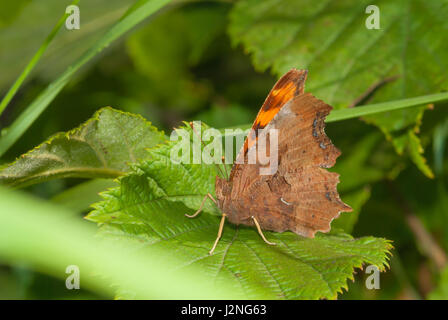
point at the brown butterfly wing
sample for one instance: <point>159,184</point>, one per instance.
<point>302,195</point>
<point>290,85</point>
<point>287,87</point>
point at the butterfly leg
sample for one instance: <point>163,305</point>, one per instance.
<point>261,232</point>
<point>221,226</point>
<point>202,205</point>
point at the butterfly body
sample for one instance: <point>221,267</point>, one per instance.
<point>301,195</point>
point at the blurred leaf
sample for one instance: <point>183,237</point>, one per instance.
<point>99,148</point>
<point>416,151</point>
<point>80,197</point>
<point>181,41</point>
<point>439,145</point>
<point>441,292</point>
<point>28,28</point>
<point>33,62</point>
<point>27,224</point>
<point>355,199</point>
<point>428,199</point>
<point>368,158</point>
<point>226,116</point>
<point>10,9</point>
<point>32,112</point>
<point>148,209</point>
<point>346,60</point>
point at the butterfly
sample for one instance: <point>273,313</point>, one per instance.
<point>301,196</point>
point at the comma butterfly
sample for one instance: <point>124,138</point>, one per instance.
<point>301,196</point>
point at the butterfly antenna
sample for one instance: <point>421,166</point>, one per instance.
<point>203,144</point>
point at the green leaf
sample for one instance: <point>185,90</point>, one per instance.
<point>169,182</point>
<point>32,112</point>
<point>99,148</point>
<point>416,151</point>
<point>349,62</point>
<point>148,209</point>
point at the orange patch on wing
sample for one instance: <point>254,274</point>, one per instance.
<point>290,85</point>
<point>275,101</point>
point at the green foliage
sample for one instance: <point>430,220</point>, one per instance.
<point>441,292</point>
<point>29,24</point>
<point>352,59</point>
<point>356,199</point>
<point>81,196</point>
<point>167,65</point>
<point>148,209</point>
<point>439,146</point>
<point>181,65</point>
<point>9,10</point>
<point>355,190</point>
<point>384,107</point>
<point>224,117</point>
<point>63,240</point>
<point>12,91</point>
<point>32,112</point>
<point>102,147</point>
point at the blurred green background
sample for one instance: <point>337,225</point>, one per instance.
<point>185,63</point>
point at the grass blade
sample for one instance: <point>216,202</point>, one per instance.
<point>344,114</point>
<point>350,113</point>
<point>33,62</point>
<point>32,112</point>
